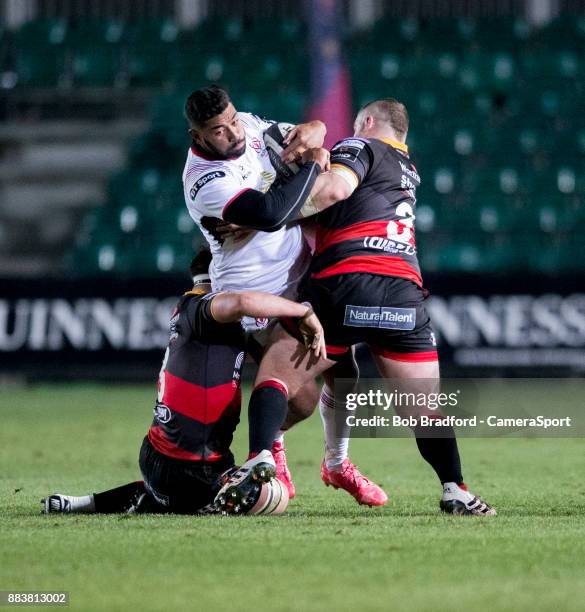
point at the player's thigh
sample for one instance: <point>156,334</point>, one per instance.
<point>182,487</point>
<point>392,368</point>
<point>305,400</point>
<point>289,362</point>
<point>418,380</point>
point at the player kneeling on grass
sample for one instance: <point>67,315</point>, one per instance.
<point>185,458</point>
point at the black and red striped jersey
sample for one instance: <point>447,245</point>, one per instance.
<point>373,230</point>
<point>199,395</point>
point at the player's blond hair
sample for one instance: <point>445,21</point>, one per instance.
<point>390,111</point>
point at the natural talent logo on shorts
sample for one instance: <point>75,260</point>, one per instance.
<point>380,316</point>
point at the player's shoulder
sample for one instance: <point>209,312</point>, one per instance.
<point>351,141</point>
<point>201,173</point>
<point>348,150</point>
<point>195,303</point>
<point>190,298</point>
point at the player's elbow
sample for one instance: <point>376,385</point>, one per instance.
<point>268,222</point>
<point>255,212</point>
<point>336,191</point>
<point>245,304</point>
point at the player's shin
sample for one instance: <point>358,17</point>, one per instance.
<point>120,499</point>
<point>266,414</point>
<point>440,451</point>
<point>335,430</point>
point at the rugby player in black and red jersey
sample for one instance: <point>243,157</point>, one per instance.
<point>186,454</point>
<point>365,284</point>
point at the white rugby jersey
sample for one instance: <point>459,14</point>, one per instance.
<point>264,261</point>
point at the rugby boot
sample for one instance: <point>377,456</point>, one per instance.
<point>67,504</point>
<point>356,484</point>
<point>458,500</point>
<point>282,471</point>
<point>235,496</point>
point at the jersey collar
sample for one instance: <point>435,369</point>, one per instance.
<point>208,156</point>
<point>196,291</point>
<point>397,145</point>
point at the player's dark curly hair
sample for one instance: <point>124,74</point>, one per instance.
<point>205,103</point>
<point>200,263</point>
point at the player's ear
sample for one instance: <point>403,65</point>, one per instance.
<point>193,133</point>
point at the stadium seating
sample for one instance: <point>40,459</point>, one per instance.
<point>497,130</point>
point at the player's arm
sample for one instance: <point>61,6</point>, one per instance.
<point>350,162</point>
<point>232,306</point>
<point>282,202</point>
<point>330,187</point>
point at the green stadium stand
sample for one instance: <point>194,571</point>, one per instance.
<point>497,129</point>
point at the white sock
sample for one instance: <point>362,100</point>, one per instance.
<point>336,436</point>
<point>280,437</point>
<point>84,503</point>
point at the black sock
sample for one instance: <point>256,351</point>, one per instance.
<point>266,413</point>
<point>440,452</point>
<point>118,499</point>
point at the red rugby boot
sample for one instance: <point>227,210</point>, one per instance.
<point>282,471</point>
<point>351,480</point>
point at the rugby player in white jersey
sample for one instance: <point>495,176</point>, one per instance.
<point>228,177</point>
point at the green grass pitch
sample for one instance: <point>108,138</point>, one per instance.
<point>326,553</point>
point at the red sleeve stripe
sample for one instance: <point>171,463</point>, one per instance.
<point>407,357</point>
<point>275,384</point>
<point>373,264</point>
<point>235,197</point>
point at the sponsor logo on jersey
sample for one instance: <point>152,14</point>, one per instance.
<point>381,317</point>
<point>389,246</point>
<point>348,149</point>
<point>256,144</point>
<point>267,180</point>
<point>350,142</point>
<point>173,326</point>
<point>238,368</point>
<point>253,324</point>
<point>162,413</point>
<point>245,172</point>
<point>206,178</point>
<point>406,183</point>
<point>413,174</point>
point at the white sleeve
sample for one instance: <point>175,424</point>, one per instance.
<point>255,122</point>
<point>209,193</point>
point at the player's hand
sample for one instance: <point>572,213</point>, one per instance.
<point>233,231</point>
<point>312,332</point>
<point>319,155</point>
<point>302,137</point>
